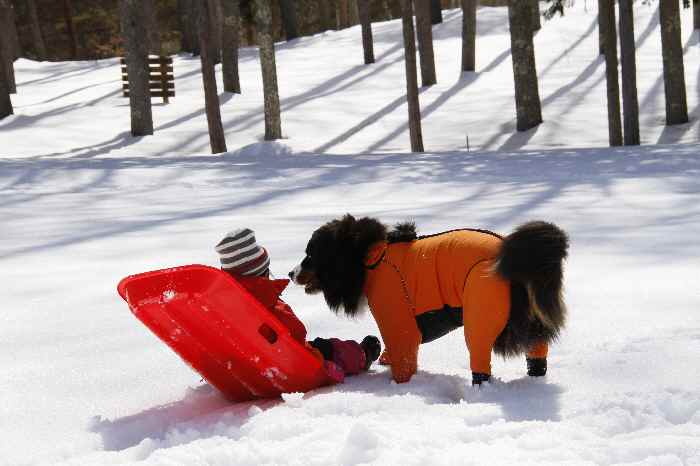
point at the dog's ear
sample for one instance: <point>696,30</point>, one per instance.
<point>345,244</point>
<point>364,232</point>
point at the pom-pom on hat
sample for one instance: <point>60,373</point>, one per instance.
<point>240,254</point>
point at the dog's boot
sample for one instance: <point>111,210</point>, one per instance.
<point>372,347</point>
<point>479,377</point>
<point>536,367</point>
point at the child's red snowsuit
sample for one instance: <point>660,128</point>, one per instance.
<point>268,293</point>
<point>348,356</point>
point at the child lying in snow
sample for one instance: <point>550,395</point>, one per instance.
<point>249,264</point>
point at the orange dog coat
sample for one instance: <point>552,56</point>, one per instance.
<point>418,291</point>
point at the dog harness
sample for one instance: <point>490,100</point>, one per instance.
<point>420,290</point>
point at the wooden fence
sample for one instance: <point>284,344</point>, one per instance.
<point>161,78</point>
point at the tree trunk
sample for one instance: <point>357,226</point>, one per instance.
<point>366,20</point>
<point>324,14</point>
<point>215,30</point>
<point>193,7</point>
<point>5,100</point>
<point>70,27</point>
<point>527,98</point>
<point>630,104</point>
<point>289,18</point>
<point>5,60</point>
<point>696,14</point>
<point>133,24</point>
<point>217,140</point>
<point>152,28</point>
<point>674,72</point>
<point>229,44</point>
<point>7,52</point>
<point>386,11</point>
<point>536,22</point>
<point>435,12</point>
<point>409,45</point>
<point>37,37</point>
<point>353,13</point>
<point>469,35</point>
<point>425,43</point>
<point>341,14</point>
<point>184,25</point>
<point>602,27</point>
<point>14,35</point>
<point>263,20</point>
<point>608,34</point>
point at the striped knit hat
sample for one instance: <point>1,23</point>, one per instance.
<point>240,254</point>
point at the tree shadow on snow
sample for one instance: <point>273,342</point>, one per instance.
<point>545,174</point>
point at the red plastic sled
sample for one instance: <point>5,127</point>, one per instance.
<point>222,331</point>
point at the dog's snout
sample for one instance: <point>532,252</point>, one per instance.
<point>294,274</point>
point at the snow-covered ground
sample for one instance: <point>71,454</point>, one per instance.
<point>82,205</point>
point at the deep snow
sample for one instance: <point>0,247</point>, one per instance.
<point>84,205</point>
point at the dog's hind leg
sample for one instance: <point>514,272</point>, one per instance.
<point>537,359</point>
<point>485,306</point>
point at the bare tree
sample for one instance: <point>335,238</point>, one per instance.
<point>7,46</point>
<point>5,100</point>
<point>273,120</point>
<point>324,14</point>
<point>409,44</point>
<point>602,29</point>
<point>425,43</point>
<point>341,14</point>
<point>37,37</point>
<point>152,27</point>
<point>184,18</point>
<point>435,12</point>
<point>527,98</point>
<point>289,18</point>
<point>229,45</point>
<point>187,18</point>
<point>536,22</point>
<point>386,10</point>
<point>366,21</point>
<point>14,35</point>
<point>468,35</point>
<point>215,30</point>
<point>608,28</point>
<point>353,13</point>
<point>133,25</point>
<point>674,73</point>
<point>217,140</point>
<point>70,27</point>
<point>630,103</point>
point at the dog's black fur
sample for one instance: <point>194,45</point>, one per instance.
<point>530,258</point>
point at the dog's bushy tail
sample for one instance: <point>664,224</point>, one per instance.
<point>532,259</point>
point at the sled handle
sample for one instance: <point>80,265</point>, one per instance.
<point>268,333</point>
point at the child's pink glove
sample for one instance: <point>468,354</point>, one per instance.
<point>349,355</point>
